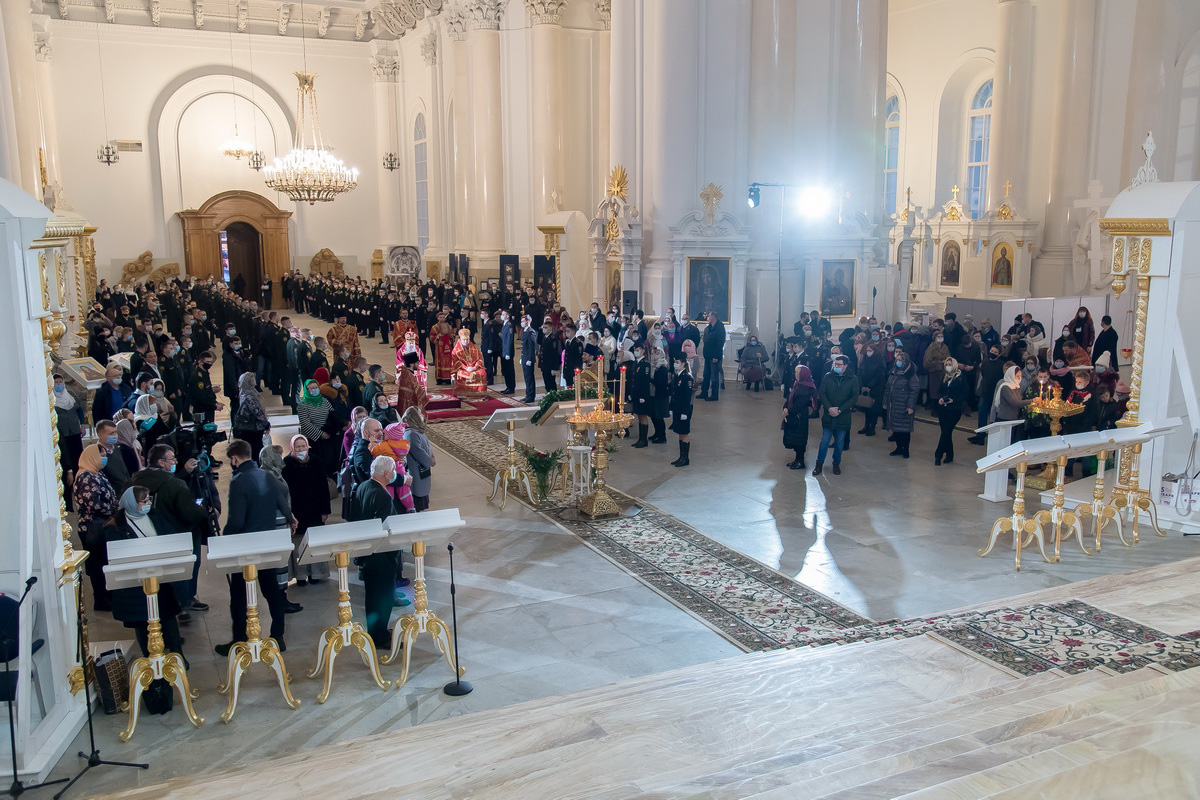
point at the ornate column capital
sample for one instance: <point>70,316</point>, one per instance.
<point>385,69</point>
<point>429,48</point>
<point>604,9</point>
<point>545,12</point>
<point>456,25</point>
<point>483,15</point>
<point>42,50</point>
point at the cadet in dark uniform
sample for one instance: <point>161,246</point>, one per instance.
<point>638,382</point>
<point>660,390</point>
<point>682,390</point>
<point>202,395</point>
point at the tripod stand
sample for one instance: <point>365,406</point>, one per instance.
<point>89,674</point>
<point>11,651</point>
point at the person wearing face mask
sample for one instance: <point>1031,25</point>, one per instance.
<point>838,392</point>
<point>935,356</point>
<point>1063,338</point>
<point>171,367</point>
<point>797,410</point>
<point>753,359</point>
<point>638,392</point>
<point>1083,392</point>
<point>316,424</point>
<point>383,411</point>
<point>137,517</point>
<point>507,337</point>
<point>951,402</point>
<point>149,423</point>
<point>69,411</point>
<point>683,390</point>
<point>234,362</point>
<point>969,355</point>
<point>310,505</point>
<point>529,348</point>
<point>1106,342</point>
<point>991,372</point>
<point>111,396</point>
<point>901,396</point>
<point>1083,330</point>
<point>872,378</point>
<point>249,422</point>
<point>202,393</point>
<point>1103,376</point>
<point>95,502</point>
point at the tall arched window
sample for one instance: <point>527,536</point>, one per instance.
<point>891,159</point>
<point>979,134</point>
<point>421,170</point>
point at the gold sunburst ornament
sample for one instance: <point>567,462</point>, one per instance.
<point>618,183</point>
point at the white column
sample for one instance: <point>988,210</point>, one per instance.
<point>604,88</point>
<point>439,231</point>
<point>1072,132</point>
<point>385,68</point>
<point>1010,101</point>
<point>22,83</point>
<point>857,129</point>
<point>483,51</point>
<point>49,120</point>
<point>545,19</point>
<point>462,154</point>
<point>625,90</point>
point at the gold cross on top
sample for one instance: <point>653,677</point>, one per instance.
<point>1007,186</point>
<point>956,191</point>
<point>711,195</point>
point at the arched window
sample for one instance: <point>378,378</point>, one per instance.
<point>979,134</point>
<point>421,170</point>
<point>891,159</point>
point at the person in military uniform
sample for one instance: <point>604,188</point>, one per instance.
<point>639,382</point>
<point>298,353</point>
<point>202,394</point>
<point>318,359</point>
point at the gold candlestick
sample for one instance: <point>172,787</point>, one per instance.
<point>622,396</point>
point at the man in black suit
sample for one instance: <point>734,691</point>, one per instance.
<point>529,348</point>
<point>714,353</point>
<point>256,503</point>
<point>507,348</point>
<point>487,343</point>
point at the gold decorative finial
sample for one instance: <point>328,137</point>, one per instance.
<point>1008,185</point>
<point>711,195</point>
<point>955,190</point>
<point>618,183</point>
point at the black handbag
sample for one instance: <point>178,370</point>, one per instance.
<point>424,472</point>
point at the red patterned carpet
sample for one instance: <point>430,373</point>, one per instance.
<point>444,407</point>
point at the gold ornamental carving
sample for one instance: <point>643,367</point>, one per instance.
<point>953,215</point>
<point>377,264</point>
<point>1144,263</point>
<point>1020,242</point>
<point>1005,212</point>
<point>164,273</point>
<point>326,262</point>
<point>1150,226</point>
<point>139,268</point>
<point>618,187</point>
<point>711,196</point>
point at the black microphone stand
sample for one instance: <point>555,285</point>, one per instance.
<point>457,687</point>
<point>93,758</point>
<point>17,788</point>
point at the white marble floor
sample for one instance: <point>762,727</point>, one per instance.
<point>541,614</point>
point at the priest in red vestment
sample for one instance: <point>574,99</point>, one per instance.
<point>441,336</point>
<point>410,390</point>
<point>469,372</point>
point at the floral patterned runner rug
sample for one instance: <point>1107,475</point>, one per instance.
<point>758,608</point>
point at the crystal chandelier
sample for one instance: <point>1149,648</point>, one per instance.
<point>310,173</point>
<point>237,147</point>
<point>256,160</point>
<point>108,155</point>
<point>390,162</point>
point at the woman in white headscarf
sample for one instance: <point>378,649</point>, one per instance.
<point>1007,401</point>
<point>149,425</point>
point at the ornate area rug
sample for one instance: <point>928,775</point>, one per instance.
<point>749,603</point>
<point>758,608</point>
<point>467,406</point>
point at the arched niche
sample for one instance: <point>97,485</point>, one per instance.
<point>262,120</point>
<point>202,228</point>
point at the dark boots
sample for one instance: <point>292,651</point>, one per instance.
<point>660,431</point>
<point>683,460</point>
<point>799,462</point>
<point>641,442</point>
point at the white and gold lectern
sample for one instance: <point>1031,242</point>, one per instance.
<point>148,563</point>
<point>247,553</point>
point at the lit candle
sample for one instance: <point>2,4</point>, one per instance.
<point>576,390</point>
<point>622,394</point>
<point>600,380</point>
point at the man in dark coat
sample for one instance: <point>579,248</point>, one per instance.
<point>112,396</point>
<point>508,353</point>
<point>550,357</point>
<point>489,344</point>
<point>372,500</point>
<point>1106,342</point>
<point>529,348</point>
<point>714,353</point>
<point>256,502</point>
<point>837,393</point>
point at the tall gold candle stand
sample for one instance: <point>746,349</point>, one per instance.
<point>605,424</point>
<point>421,620</point>
<point>346,633</point>
<point>1059,517</point>
<point>254,651</point>
<point>1023,529</point>
<point>1056,409</point>
<point>1100,512</point>
<point>159,665</point>
<point>512,473</point>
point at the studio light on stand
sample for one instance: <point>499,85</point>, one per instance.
<point>753,198</point>
<point>814,202</point>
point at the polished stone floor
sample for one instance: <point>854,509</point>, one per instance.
<point>541,614</point>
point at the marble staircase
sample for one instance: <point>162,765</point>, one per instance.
<point>884,718</point>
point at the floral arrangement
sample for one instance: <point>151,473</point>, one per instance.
<point>560,396</point>
<point>542,463</point>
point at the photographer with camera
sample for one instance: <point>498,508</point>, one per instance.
<point>172,497</point>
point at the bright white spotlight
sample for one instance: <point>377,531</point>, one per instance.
<point>814,202</point>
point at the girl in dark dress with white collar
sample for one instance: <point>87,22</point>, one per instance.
<point>683,387</point>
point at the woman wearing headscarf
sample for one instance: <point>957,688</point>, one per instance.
<point>1035,340</point>
<point>356,417</point>
<point>70,433</point>
<point>797,409</point>
<point>249,422</point>
<point>149,425</point>
<point>872,376</point>
<point>128,446</point>
<point>952,395</point>
<point>383,410</point>
<point>420,461</point>
<point>310,504</point>
<point>1008,399</point>
<point>693,358</point>
<point>1083,330</point>
<point>337,393</point>
<point>95,502</point>
<point>315,415</point>
<point>901,396</point>
<point>1065,337</point>
<point>166,411</point>
<point>136,518</point>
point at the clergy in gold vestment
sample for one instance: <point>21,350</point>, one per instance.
<point>441,336</point>
<point>344,335</point>
<point>469,373</point>
<point>418,366</point>
<point>410,390</point>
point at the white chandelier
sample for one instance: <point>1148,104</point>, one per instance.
<point>310,173</point>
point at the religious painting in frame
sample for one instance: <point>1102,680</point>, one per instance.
<point>452,270</point>
<point>614,284</point>
<point>1002,266</point>
<point>86,371</point>
<point>464,267</point>
<point>951,263</point>
<point>708,282</point>
<point>837,287</point>
<point>543,273</point>
<point>404,263</point>
<point>510,273</point>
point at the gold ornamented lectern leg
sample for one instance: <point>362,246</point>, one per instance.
<point>1101,513</point>
<point>159,664</point>
<point>1059,517</point>
<point>254,651</point>
<point>511,473</point>
<point>421,620</point>
<point>1023,529</point>
<point>345,634</point>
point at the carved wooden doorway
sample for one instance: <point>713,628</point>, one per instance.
<point>237,211</point>
<point>244,245</point>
